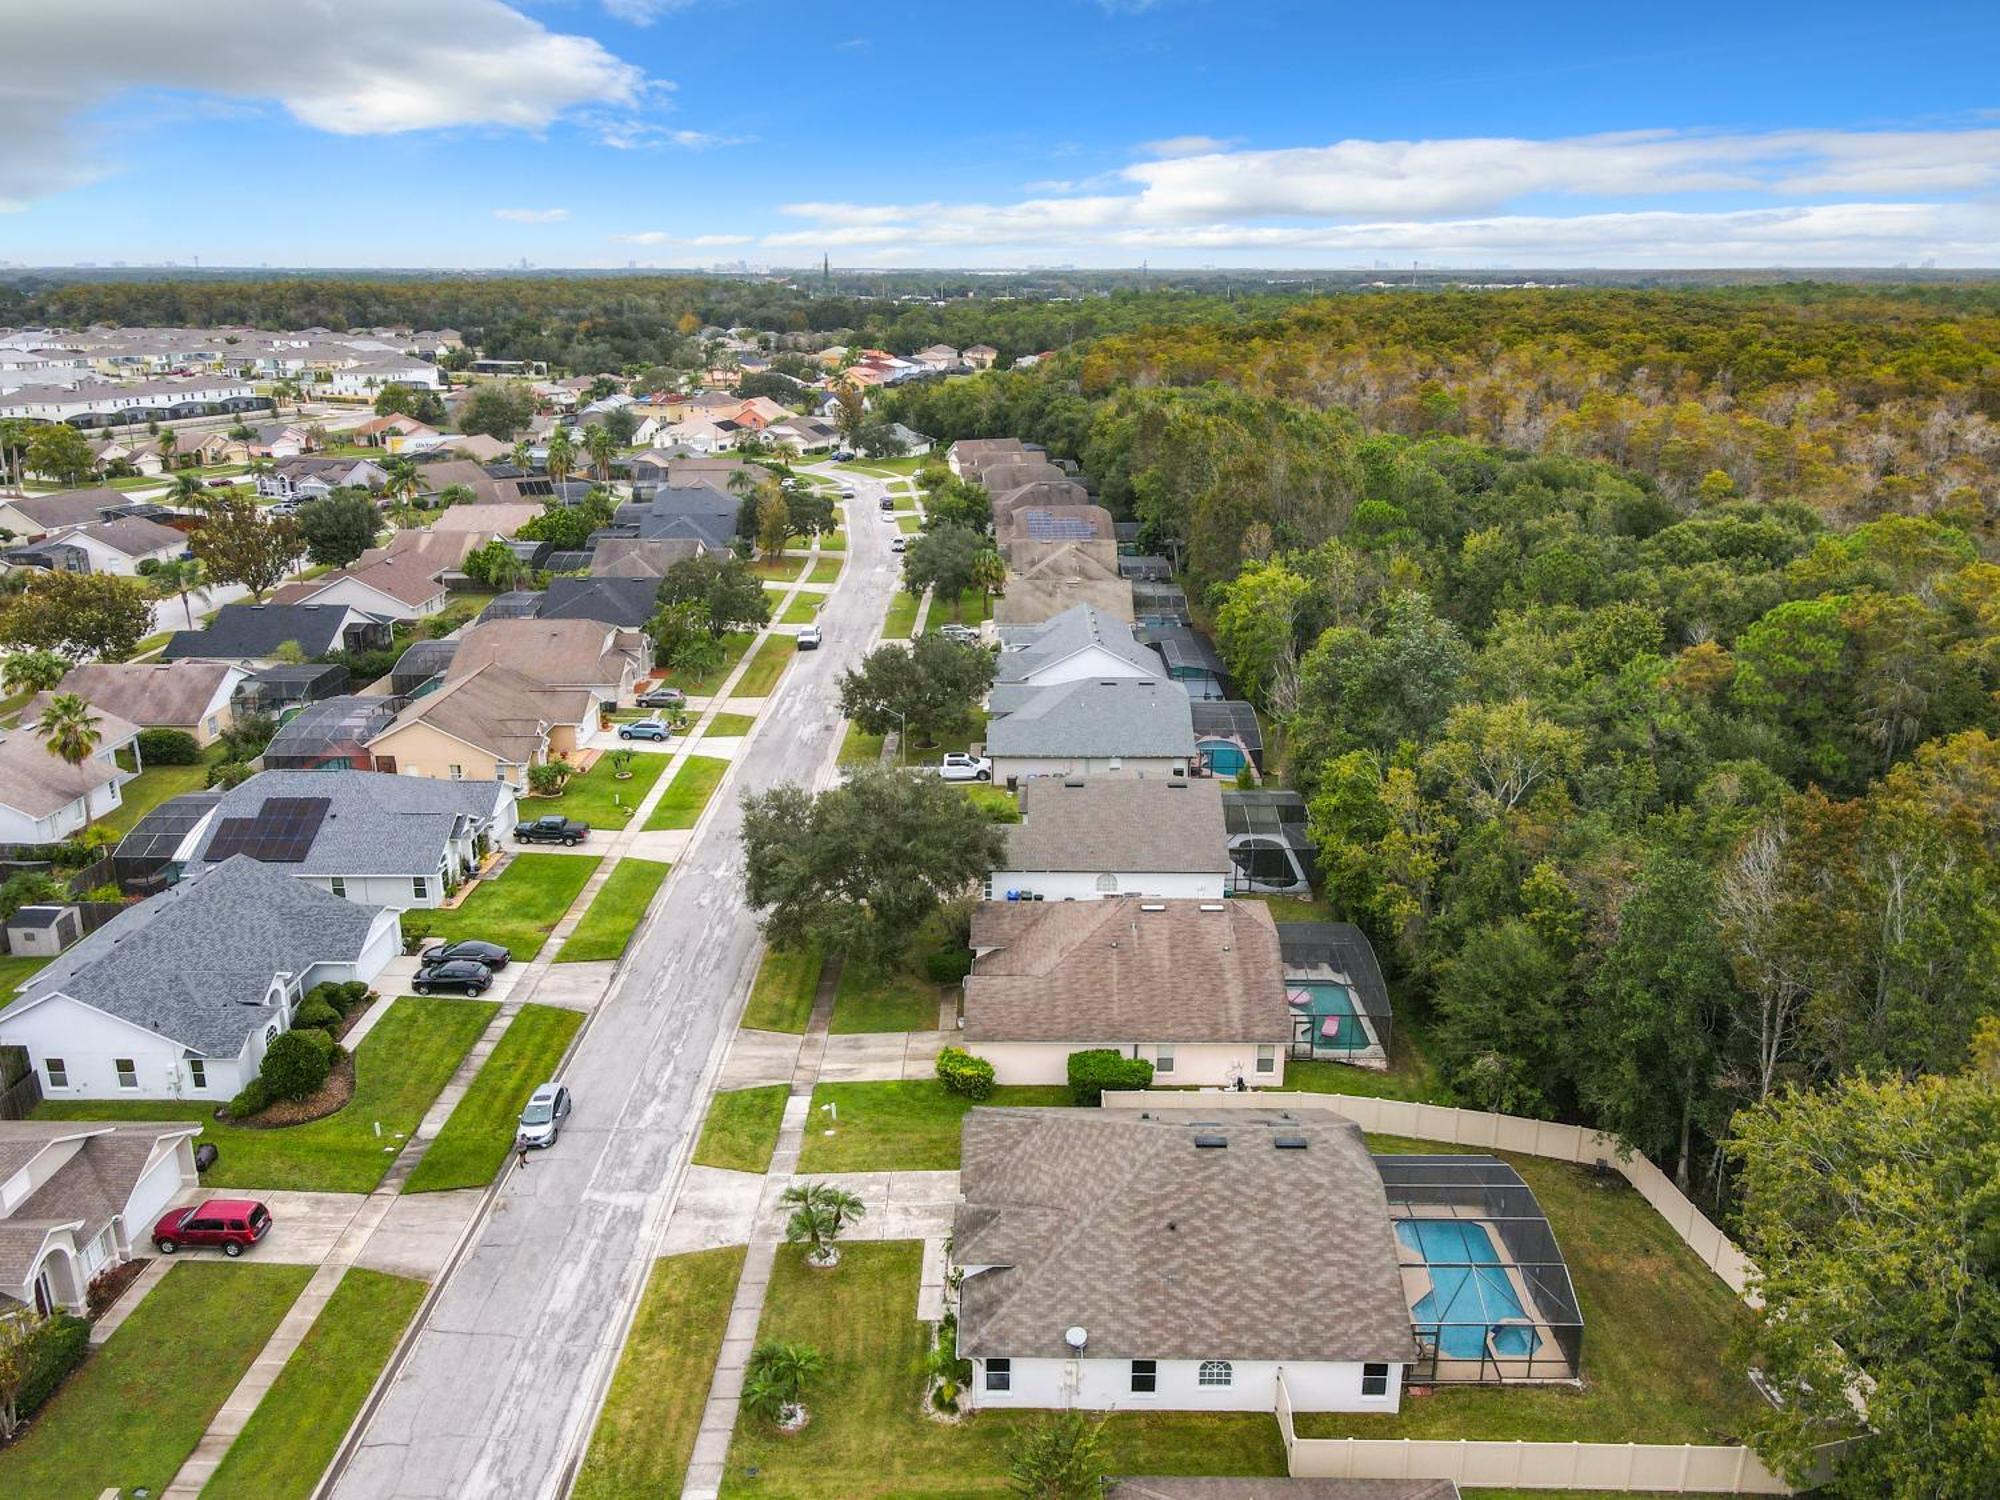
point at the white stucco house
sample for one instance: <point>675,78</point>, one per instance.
<point>366,377</point>
<point>177,997</point>
<point>1083,642</point>
<point>1093,726</point>
<point>1118,1261</point>
<point>44,799</point>
<point>1085,838</point>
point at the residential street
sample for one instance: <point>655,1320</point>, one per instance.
<point>495,1397</point>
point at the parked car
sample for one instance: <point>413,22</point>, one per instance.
<point>958,766</point>
<point>662,697</point>
<point>491,954</point>
<point>847,492</point>
<point>888,502</point>
<point>233,1223</point>
<point>809,638</point>
<point>844,455</point>
<point>542,1120</point>
<point>900,544</point>
<point>467,974</point>
<point>552,828</point>
<point>645,729</point>
<point>965,635</point>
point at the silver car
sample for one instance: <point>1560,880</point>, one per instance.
<point>542,1120</point>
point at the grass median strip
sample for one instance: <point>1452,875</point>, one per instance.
<point>290,1438</point>
<point>652,1412</point>
<point>681,804</point>
<point>133,1413</point>
<point>802,610</point>
<point>766,667</point>
<point>902,618</point>
<point>825,570</point>
<point>858,748</point>
<point>615,912</point>
<point>518,909</point>
<point>480,1132</point>
<point>741,1130</point>
<point>729,726</point>
<point>907,1126</point>
<point>782,997</point>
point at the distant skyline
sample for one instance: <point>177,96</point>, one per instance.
<point>607,133</point>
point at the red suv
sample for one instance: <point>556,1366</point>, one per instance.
<point>232,1223</point>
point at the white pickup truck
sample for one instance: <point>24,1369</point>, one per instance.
<point>957,766</point>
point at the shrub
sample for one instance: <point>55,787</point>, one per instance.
<point>109,891</point>
<point>948,965</point>
<point>168,747</point>
<point>547,778</point>
<point>314,1011</point>
<point>1101,1068</point>
<point>965,1075</point>
<point>227,775</point>
<point>341,998</point>
<point>254,1099</point>
<point>58,1347</point>
<point>294,1065</point>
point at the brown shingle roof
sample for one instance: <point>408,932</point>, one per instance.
<point>168,695</point>
<point>1160,826</point>
<point>556,653</point>
<point>1125,969</point>
<point>1161,1249</point>
<point>36,782</point>
<point>496,709</point>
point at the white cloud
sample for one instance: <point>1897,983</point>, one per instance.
<point>634,134</point>
<point>355,67</point>
<point>643,12</point>
<point>1187,145</point>
<point>693,242</point>
<point>531,215</point>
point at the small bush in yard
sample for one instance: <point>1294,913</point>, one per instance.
<point>253,1100</point>
<point>342,998</point>
<point>965,1075</point>
<point>168,747</point>
<point>54,1349</point>
<point>294,1065</point>
<point>314,1011</point>
<point>1101,1068</point>
<point>948,965</point>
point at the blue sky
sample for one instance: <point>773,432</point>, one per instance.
<point>1183,132</point>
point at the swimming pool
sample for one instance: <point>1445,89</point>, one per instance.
<point>1470,1297</point>
<point>1339,1026</point>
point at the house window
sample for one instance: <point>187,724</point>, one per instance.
<point>1374,1380</point>
<point>999,1374</point>
<point>457,772</point>
<point>1267,1057</point>
<point>58,1072</point>
<point>1145,1376</point>
<point>420,887</point>
<point>1107,882</point>
<point>128,1072</point>
<point>197,1073</point>
<point>213,723</point>
<point>1163,1059</point>
<point>339,886</point>
<point>1214,1372</point>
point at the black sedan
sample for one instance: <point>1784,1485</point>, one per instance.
<point>491,954</point>
<point>453,974</point>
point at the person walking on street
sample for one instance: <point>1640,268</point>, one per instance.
<point>520,1156</point>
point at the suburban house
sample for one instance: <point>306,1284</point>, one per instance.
<point>366,377</point>
<point>1115,726</point>
<point>632,557</point>
<point>117,545</point>
<point>1085,839</point>
<point>396,841</point>
<point>43,798</point>
<point>980,356</point>
<point>178,996</point>
<point>1078,643</point>
<point>1059,576</point>
<point>78,1197</point>
<point>499,517</point>
<point>802,434</point>
<point>314,478</point>
<point>1117,1260</point>
<point>390,587</point>
<point>331,734</point>
<point>489,724</point>
<point>968,454</point>
<point>1197,988</point>
<point>625,602</point>
<point>601,658</point>
<point>195,697</point>
<point>32,517</point>
<point>259,632</point>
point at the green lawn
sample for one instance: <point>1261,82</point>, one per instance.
<point>975,608</point>
<point>399,1069</point>
<point>153,786</point>
<point>741,1130</point>
<point>1296,908</point>
<point>778,569</point>
<point>907,1126</point>
<point>1657,1329</point>
<point>645,1435</point>
<point>135,1410</point>
<point>782,997</point>
<point>615,912</point>
<point>831,541</point>
<point>15,972</point>
<point>969,733</point>
<point>597,796</point>
<point>995,801</point>
<point>734,645</point>
<point>886,468</point>
<point>729,726</point>
<point>896,1001</point>
<point>518,909</point>
<point>825,570</point>
<point>765,668</point>
<point>1410,1075</point>
<point>802,610</point>
<point>902,617</point>
<point>480,1132</point>
<point>868,1436</point>
<point>859,749</point>
<point>290,1438</point>
<point>909,525</point>
<point>681,804</point>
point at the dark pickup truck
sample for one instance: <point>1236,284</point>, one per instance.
<point>552,830</point>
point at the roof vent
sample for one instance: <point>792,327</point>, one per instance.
<point>1289,1142</point>
<point>1211,1142</point>
<point>1075,781</point>
<point>1076,1338</point>
<point>1213,906</point>
<point>1152,906</point>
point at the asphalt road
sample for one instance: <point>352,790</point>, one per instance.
<point>495,1394</point>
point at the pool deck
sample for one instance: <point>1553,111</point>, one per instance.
<point>1549,1365</point>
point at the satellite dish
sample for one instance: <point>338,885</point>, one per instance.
<point>1076,1338</point>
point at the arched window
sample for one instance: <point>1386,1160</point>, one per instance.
<point>1107,882</point>
<point>1214,1372</point>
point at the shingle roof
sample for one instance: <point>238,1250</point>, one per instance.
<point>496,709</point>
<point>196,962</point>
<point>631,557</point>
<point>151,694</point>
<point>1171,826</point>
<point>1161,1249</point>
<point>88,1190</point>
<point>133,536</point>
<point>254,630</point>
<point>376,823</point>
<point>411,579</point>
<point>1124,969</point>
<point>1065,635</point>
<point>36,782</point>
<point>559,653</point>
<point>1128,716</point>
<point>66,507</point>
<point>629,602</point>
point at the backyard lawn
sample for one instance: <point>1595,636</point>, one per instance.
<point>153,786</point>
<point>645,1436</point>
<point>597,796</point>
<point>135,1410</point>
<point>518,909</point>
<point>782,997</point>
<point>906,1126</point>
<point>825,570</point>
<point>15,972</point>
<point>893,1001</point>
<point>615,912</point>
<point>741,1130</point>
<point>729,726</point>
<point>399,1069</point>
<point>995,801</point>
<point>765,668</point>
<point>290,1438</point>
<point>902,617</point>
<point>1295,908</point>
<point>1410,1075</point>
<point>480,1132</point>
<point>868,1435</point>
<point>734,645</point>
<point>681,804</point>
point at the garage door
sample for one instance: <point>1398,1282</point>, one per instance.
<point>150,1198</point>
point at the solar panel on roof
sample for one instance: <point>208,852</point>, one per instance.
<point>280,832</point>
<point>1046,527</point>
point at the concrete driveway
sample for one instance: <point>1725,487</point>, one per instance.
<point>304,1226</point>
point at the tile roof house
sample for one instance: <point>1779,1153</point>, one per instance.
<point>489,723</point>
<point>1113,1259</point>
<point>1082,839</point>
<point>43,798</point>
<point>78,1197</point>
<point>178,996</point>
<point>257,632</point>
<point>1119,726</point>
<point>192,696</point>
<point>1195,987</point>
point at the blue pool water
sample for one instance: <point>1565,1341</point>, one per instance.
<point>1339,1027</point>
<point>1470,1295</point>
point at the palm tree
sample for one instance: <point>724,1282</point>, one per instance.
<point>282,392</point>
<point>524,456</point>
<point>601,447</point>
<point>989,573</point>
<point>70,727</point>
<point>169,442</point>
<point>561,457</point>
<point>819,1214</point>
<point>183,576</point>
<point>33,672</point>
<point>775,1381</point>
<point>188,488</point>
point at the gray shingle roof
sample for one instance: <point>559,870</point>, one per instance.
<point>196,962</point>
<point>377,824</point>
<point>1171,826</point>
<point>1067,634</point>
<point>629,602</point>
<point>255,630</point>
<point>1159,1249</point>
<point>1128,717</point>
